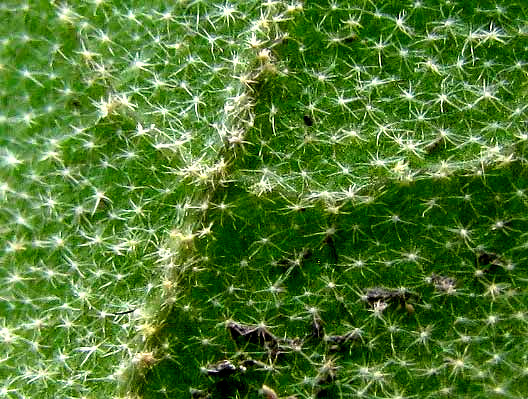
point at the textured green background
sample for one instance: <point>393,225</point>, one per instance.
<point>165,167</point>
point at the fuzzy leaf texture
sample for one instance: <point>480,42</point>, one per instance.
<point>274,199</point>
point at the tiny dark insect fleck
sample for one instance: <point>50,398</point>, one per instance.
<point>374,295</point>
<point>443,283</point>
<point>341,339</point>
<point>199,394</point>
<point>350,39</point>
<point>306,253</point>
<point>488,258</point>
<point>490,261</point>
<point>223,368</point>
<point>124,312</point>
<point>308,121</point>
<point>255,334</point>
<point>433,146</point>
<point>317,327</point>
